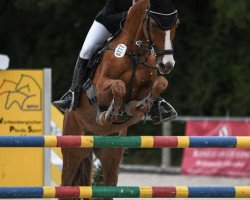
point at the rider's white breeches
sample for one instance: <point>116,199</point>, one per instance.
<point>95,37</point>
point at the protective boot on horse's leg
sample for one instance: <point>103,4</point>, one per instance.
<point>97,35</point>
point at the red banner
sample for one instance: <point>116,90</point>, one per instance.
<point>217,161</point>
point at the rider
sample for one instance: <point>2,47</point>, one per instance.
<point>106,24</point>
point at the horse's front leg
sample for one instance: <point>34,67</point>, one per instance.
<point>110,91</point>
<point>140,107</point>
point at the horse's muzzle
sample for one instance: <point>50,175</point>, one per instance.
<point>165,68</point>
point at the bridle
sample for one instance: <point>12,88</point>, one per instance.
<point>151,46</point>
<point>149,43</point>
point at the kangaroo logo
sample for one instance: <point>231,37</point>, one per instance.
<point>1,120</point>
<point>26,93</point>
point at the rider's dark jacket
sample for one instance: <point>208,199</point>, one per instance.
<point>112,14</point>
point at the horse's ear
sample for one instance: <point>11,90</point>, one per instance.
<point>144,3</point>
<point>178,22</point>
<point>148,4</point>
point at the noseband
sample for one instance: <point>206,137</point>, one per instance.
<point>151,46</point>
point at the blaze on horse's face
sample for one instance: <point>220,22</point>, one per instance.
<point>163,40</point>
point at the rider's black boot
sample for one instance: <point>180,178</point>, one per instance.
<point>162,111</point>
<point>71,100</point>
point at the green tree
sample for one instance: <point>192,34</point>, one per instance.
<point>212,58</point>
<point>211,48</point>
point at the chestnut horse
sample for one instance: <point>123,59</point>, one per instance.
<point>145,42</point>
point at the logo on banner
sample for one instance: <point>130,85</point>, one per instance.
<point>224,131</point>
<point>26,93</point>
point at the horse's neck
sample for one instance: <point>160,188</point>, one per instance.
<point>134,22</point>
<point>133,35</point>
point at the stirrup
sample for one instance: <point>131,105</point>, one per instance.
<point>68,96</point>
<point>72,99</point>
<point>171,111</point>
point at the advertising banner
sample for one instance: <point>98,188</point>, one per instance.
<point>21,114</point>
<point>217,161</point>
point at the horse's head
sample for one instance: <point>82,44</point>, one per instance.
<point>160,26</point>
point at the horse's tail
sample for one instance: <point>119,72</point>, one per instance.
<point>83,177</point>
<point>77,169</point>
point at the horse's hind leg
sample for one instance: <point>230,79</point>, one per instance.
<point>77,162</point>
<point>110,91</point>
<point>110,160</point>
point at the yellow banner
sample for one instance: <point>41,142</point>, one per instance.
<point>21,113</point>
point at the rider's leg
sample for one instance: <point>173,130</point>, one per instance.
<point>162,111</point>
<point>96,36</point>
